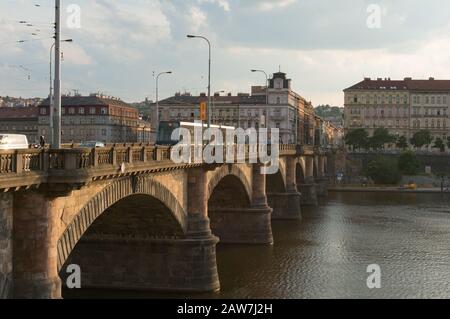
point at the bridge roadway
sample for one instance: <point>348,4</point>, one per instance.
<point>133,219</point>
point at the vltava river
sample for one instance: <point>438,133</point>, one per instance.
<point>326,255</point>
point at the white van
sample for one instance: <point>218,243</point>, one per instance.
<point>13,142</point>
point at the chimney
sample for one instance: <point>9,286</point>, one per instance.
<point>229,94</point>
<point>431,79</point>
<point>216,94</point>
<point>408,79</point>
<point>202,94</point>
<point>366,79</point>
<point>379,79</point>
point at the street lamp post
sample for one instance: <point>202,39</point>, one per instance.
<point>51,92</point>
<point>57,85</point>
<point>157,101</point>
<point>267,96</point>
<point>209,74</point>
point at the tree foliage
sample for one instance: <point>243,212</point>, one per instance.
<point>380,138</point>
<point>421,138</point>
<point>408,163</point>
<point>439,144</point>
<point>402,143</point>
<point>357,139</point>
<point>384,171</point>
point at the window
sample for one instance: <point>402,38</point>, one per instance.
<point>43,111</point>
<point>72,110</point>
<point>278,100</point>
<point>81,110</point>
<point>355,99</point>
<point>63,110</point>
<point>104,132</point>
<point>92,110</point>
<point>104,110</point>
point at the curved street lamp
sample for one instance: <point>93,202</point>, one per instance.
<point>267,95</point>
<point>190,36</point>
<point>157,101</point>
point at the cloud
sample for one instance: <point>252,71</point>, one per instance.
<point>224,4</point>
<point>75,54</point>
<point>197,18</point>
<point>275,4</point>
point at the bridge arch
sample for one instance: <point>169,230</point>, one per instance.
<point>127,189</point>
<point>226,171</point>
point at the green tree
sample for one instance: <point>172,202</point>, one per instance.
<point>357,139</point>
<point>421,138</point>
<point>402,143</point>
<point>408,163</point>
<point>439,143</point>
<point>384,171</point>
<point>380,138</point>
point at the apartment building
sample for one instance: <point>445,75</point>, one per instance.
<point>286,110</point>
<point>402,106</point>
<point>95,118</point>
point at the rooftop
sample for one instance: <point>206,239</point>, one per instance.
<point>91,100</point>
<point>406,84</point>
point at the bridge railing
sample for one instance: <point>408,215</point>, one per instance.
<point>19,161</point>
<point>29,160</point>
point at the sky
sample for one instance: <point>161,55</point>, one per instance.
<point>324,46</point>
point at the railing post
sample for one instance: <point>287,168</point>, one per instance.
<point>44,160</point>
<point>130,155</point>
<point>114,156</point>
<point>94,157</point>
<point>18,162</point>
<point>70,159</point>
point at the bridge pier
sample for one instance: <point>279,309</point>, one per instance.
<point>6,245</point>
<point>321,180</point>
<point>308,188</point>
<point>244,223</point>
<point>35,246</point>
<point>148,264</point>
<point>287,205</point>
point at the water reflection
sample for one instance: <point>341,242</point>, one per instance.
<point>326,254</point>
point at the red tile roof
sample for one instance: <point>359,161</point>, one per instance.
<point>406,84</point>
<point>18,112</point>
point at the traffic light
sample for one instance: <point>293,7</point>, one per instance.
<point>203,107</point>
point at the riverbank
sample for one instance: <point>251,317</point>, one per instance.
<point>386,189</point>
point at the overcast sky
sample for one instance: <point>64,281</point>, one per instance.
<point>323,45</point>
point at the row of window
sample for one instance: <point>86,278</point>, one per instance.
<point>18,127</point>
<point>426,99</point>
<point>378,99</point>
<point>430,124</point>
<point>429,111</point>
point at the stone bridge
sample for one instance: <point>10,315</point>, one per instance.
<point>133,219</point>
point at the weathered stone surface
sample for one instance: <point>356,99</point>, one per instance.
<point>147,264</point>
<point>322,186</point>
<point>6,247</point>
<point>309,195</point>
<point>285,205</point>
<point>242,225</point>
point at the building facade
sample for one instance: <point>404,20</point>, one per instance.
<point>286,110</point>
<point>95,118</point>
<point>20,120</point>
<point>403,107</point>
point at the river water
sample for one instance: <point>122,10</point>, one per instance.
<point>326,255</point>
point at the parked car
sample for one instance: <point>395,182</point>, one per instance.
<point>13,142</point>
<point>92,144</point>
